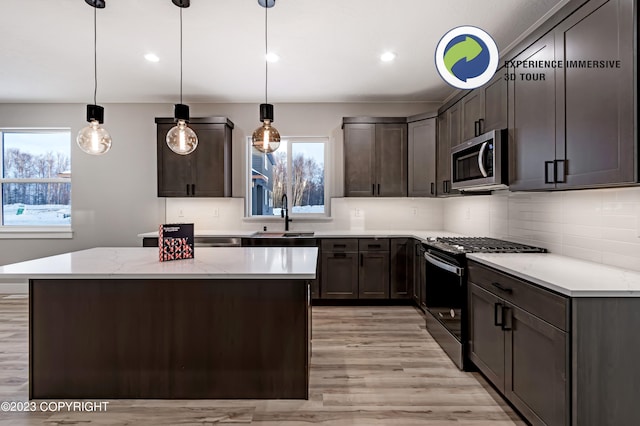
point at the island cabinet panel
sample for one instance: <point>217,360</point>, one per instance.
<point>206,172</point>
<point>182,338</point>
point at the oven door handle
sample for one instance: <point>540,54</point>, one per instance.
<point>481,159</point>
<point>443,265</point>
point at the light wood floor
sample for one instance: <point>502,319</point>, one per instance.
<point>370,366</point>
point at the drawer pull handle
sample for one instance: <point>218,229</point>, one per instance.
<point>497,311</point>
<point>502,288</point>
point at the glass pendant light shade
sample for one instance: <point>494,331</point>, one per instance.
<point>266,138</point>
<point>182,139</point>
<point>94,139</point>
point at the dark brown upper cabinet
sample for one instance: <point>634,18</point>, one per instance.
<point>375,157</point>
<point>532,111</point>
<point>443,147</point>
<point>575,127</point>
<point>422,156</point>
<point>485,108</point>
<point>595,110</point>
<point>206,172</point>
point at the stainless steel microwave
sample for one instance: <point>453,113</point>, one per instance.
<point>480,164</point>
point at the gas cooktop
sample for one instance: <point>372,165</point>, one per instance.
<point>460,245</point>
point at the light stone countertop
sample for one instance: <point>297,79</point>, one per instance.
<point>142,262</point>
<point>566,275</point>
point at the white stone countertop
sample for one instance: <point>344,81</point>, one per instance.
<point>142,262</point>
<point>566,275</point>
<point>421,234</point>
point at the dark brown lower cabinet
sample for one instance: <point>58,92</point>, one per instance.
<point>373,277</point>
<point>401,272</point>
<point>339,275</point>
<point>418,282</point>
<point>519,339</point>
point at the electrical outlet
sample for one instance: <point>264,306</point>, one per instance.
<point>414,211</point>
<point>216,212</point>
<point>357,212</point>
<point>467,214</point>
<point>180,213</point>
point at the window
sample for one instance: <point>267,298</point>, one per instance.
<point>297,169</point>
<point>35,179</point>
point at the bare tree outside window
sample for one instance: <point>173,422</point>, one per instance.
<point>36,178</point>
<point>298,169</point>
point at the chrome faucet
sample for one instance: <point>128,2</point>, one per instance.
<point>284,212</point>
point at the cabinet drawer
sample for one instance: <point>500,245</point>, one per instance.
<point>373,244</point>
<point>544,304</point>
<point>340,245</point>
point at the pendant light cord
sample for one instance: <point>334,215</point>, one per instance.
<point>95,56</point>
<point>180,55</point>
<point>266,51</point>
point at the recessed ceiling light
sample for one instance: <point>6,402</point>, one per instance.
<point>387,56</point>
<point>272,57</point>
<point>151,57</point>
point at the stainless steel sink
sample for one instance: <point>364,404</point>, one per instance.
<point>298,234</point>
<point>288,234</point>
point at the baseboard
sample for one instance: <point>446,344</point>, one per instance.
<point>14,287</point>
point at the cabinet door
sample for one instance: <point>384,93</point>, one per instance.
<point>402,255</point>
<point>471,114</point>
<point>422,158</point>
<point>495,103</point>
<point>175,173</point>
<point>444,154</point>
<point>536,364</point>
<point>595,105</point>
<point>455,125</point>
<point>391,160</point>
<point>486,337</point>
<point>532,120</point>
<point>374,275</point>
<point>339,276</point>
<point>209,165</point>
<point>417,261</point>
<point>359,160</point>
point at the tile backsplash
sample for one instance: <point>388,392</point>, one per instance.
<point>600,225</point>
<point>346,214</point>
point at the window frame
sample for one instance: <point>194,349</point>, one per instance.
<point>291,140</point>
<point>32,231</point>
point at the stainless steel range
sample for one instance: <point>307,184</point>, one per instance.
<point>446,288</point>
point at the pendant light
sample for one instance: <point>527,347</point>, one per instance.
<point>94,139</point>
<point>266,138</point>
<point>181,138</point>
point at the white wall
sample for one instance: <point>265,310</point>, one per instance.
<point>114,196</point>
<point>599,225</point>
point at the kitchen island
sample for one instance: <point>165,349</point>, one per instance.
<point>114,323</point>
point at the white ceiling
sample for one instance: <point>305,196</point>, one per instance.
<point>329,49</point>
